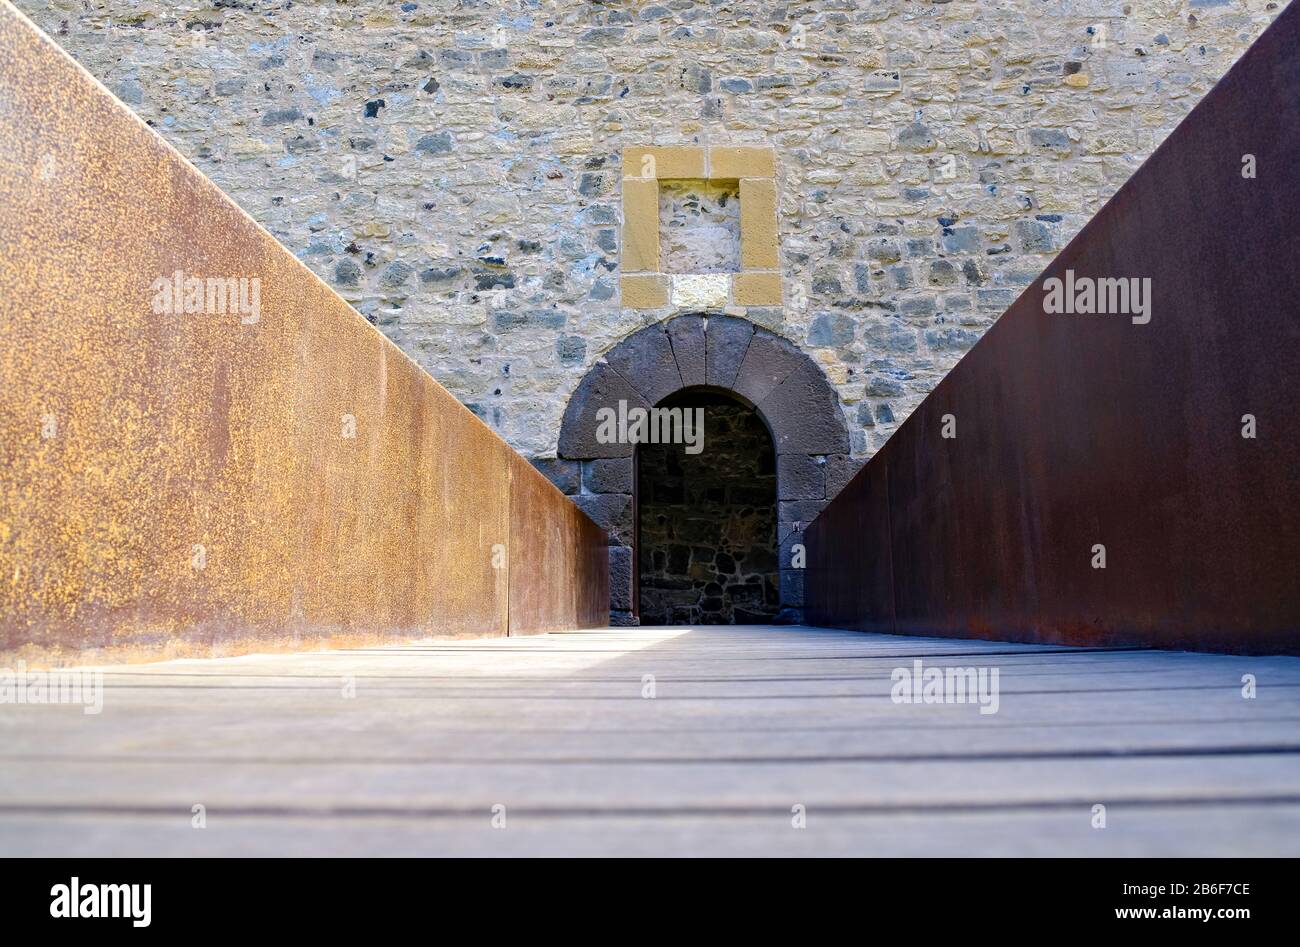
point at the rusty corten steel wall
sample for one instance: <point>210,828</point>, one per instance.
<point>183,484</point>
<point>547,547</point>
<point>1076,430</point>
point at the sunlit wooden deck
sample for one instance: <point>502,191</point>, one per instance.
<point>745,725</point>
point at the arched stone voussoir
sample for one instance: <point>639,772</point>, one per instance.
<point>804,415</point>
<point>726,341</point>
<point>769,360</point>
<point>686,333</point>
<point>645,358</point>
<point>603,387</point>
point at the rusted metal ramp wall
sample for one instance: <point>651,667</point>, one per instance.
<point>1078,432</point>
<point>182,472</point>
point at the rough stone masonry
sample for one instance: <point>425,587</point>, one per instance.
<point>453,168</point>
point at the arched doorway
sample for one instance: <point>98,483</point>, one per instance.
<point>707,520</point>
<point>785,388</point>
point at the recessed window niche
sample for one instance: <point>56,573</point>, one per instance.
<point>699,228</point>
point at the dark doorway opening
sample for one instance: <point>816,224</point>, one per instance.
<point>706,522</point>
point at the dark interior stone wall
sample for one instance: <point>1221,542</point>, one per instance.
<point>707,522</point>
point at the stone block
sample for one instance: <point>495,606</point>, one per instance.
<point>603,387</point>
<point>799,477</point>
<point>840,469</point>
<point>726,341</point>
<point>756,289</point>
<point>758,232</point>
<point>620,578</point>
<point>608,475</point>
<point>831,329</point>
<point>565,474</point>
<point>786,547</point>
<point>612,512</point>
<point>646,360</point>
<point>701,291</point>
<point>673,161</point>
<point>805,414</point>
<point>686,334</point>
<point>640,225</point>
<point>745,161</point>
<point>768,361</point>
<point>792,588</point>
<point>643,291</point>
<point>800,512</point>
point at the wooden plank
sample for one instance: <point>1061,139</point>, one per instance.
<point>1213,831</point>
<point>747,722</point>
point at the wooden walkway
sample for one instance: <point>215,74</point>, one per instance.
<point>746,724</point>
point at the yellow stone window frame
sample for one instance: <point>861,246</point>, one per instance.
<point>642,282</point>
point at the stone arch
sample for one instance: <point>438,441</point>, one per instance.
<point>781,382</point>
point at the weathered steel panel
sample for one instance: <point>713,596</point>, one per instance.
<point>1076,431</point>
<point>180,478</point>
<point>851,573</point>
<point>559,564</point>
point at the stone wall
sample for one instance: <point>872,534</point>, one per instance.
<point>707,531</point>
<point>453,169</point>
